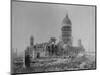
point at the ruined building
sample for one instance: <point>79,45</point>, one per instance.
<point>62,48</point>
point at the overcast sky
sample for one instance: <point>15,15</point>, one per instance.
<point>45,20</point>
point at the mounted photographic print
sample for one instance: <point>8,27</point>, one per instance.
<point>52,37</point>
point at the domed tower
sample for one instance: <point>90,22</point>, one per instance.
<point>67,31</point>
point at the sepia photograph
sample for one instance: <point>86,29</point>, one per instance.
<point>52,37</point>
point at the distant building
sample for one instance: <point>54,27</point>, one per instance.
<point>32,41</point>
<point>80,43</point>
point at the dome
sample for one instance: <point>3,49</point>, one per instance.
<point>66,20</point>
